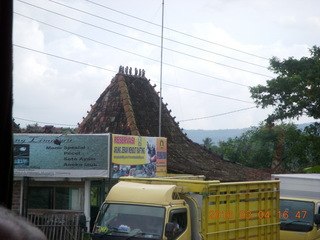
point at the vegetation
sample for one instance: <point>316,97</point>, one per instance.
<point>280,148</point>
<point>36,128</point>
<point>293,93</point>
<point>315,169</point>
<point>208,143</point>
<point>296,89</point>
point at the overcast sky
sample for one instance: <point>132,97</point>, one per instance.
<point>66,52</point>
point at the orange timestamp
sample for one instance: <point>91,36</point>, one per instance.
<point>239,215</point>
<point>255,214</point>
<point>296,214</point>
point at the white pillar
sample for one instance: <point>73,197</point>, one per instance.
<point>87,190</point>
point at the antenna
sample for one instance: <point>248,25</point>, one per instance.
<point>160,97</point>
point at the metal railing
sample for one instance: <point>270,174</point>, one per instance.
<point>58,226</point>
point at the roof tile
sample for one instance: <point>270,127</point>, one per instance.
<point>130,106</point>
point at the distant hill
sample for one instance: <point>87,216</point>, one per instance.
<point>221,134</point>
<point>216,135</point>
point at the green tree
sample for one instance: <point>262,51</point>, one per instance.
<point>208,143</point>
<point>293,93</point>
<point>279,148</point>
<point>296,89</point>
<point>247,149</point>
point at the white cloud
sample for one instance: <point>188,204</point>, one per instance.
<point>287,21</point>
<point>314,22</point>
<point>54,90</point>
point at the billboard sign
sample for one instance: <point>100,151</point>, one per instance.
<point>138,156</point>
<point>67,156</point>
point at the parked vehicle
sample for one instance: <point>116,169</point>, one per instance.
<point>299,206</point>
<point>169,208</point>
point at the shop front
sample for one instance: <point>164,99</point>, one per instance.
<point>57,179</point>
<point>60,181</point>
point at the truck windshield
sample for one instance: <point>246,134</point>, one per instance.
<point>296,215</point>
<point>123,221</point>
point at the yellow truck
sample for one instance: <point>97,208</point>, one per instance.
<point>299,206</point>
<point>185,209</point>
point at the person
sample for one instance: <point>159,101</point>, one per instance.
<point>14,227</point>
<point>176,225</point>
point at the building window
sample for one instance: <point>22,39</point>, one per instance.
<point>64,198</point>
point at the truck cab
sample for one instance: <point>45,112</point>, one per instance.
<point>300,218</point>
<point>136,211</point>
<point>299,206</point>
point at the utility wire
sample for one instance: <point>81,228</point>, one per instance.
<point>194,119</point>
<point>75,61</point>
<point>67,59</point>
<point>217,115</point>
<point>173,30</point>
<point>186,120</point>
<point>206,75</point>
<point>57,124</point>
<point>155,35</point>
<point>211,94</point>
<point>123,35</point>
<point>120,49</point>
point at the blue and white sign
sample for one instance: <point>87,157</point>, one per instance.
<point>67,156</point>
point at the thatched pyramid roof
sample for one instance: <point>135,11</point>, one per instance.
<point>130,106</point>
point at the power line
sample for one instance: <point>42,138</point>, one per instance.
<point>186,120</point>
<point>75,61</point>
<point>217,115</point>
<point>152,44</point>
<point>211,94</point>
<point>173,30</point>
<point>221,64</point>
<point>120,49</point>
<point>206,75</point>
<point>56,124</point>
<point>194,119</point>
<point>155,35</point>
<point>67,59</point>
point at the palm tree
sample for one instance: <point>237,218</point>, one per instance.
<point>207,143</point>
